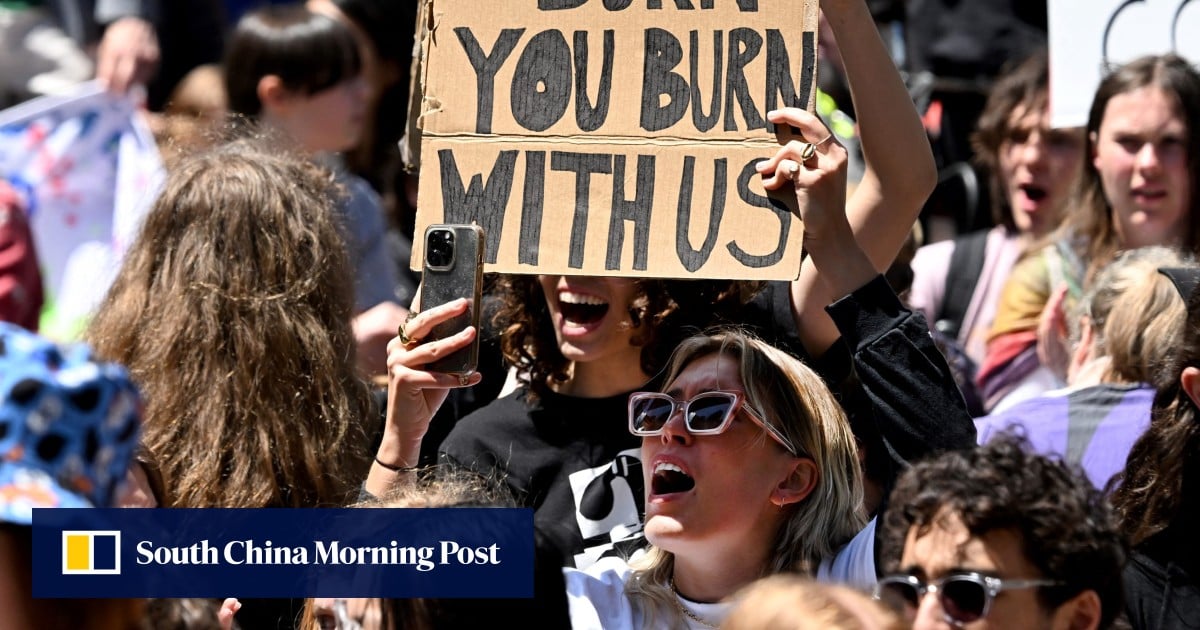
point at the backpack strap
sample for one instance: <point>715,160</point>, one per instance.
<point>966,265</point>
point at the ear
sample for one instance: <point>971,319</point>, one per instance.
<point>1081,612</point>
<point>1190,380</point>
<point>1093,140</point>
<point>798,484</point>
<point>272,93</point>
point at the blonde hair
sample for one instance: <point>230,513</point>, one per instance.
<point>794,399</point>
<point>1136,313</point>
<point>792,602</point>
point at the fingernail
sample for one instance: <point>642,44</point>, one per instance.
<point>761,166</point>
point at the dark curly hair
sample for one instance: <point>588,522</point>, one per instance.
<point>1162,474</point>
<point>1066,527</point>
<point>665,312</point>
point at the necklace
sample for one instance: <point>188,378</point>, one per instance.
<point>684,609</point>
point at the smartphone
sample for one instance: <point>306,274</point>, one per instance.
<point>452,269</point>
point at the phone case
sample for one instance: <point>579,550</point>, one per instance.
<point>462,276</point>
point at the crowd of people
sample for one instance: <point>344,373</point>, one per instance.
<point>998,430</point>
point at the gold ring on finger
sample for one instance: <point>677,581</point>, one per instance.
<point>808,151</point>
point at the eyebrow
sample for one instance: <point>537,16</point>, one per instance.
<point>914,570</point>
<point>919,572</point>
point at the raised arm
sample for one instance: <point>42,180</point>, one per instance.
<point>913,406</point>
<point>899,176</point>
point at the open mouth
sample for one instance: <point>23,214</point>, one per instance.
<point>578,308</point>
<point>1033,193</point>
<point>669,479</point>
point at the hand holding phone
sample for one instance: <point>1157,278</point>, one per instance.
<point>452,269</point>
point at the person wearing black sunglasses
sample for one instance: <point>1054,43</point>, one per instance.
<point>1000,537</point>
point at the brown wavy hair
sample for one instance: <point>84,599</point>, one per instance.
<point>232,312</point>
<point>665,312</point>
<point>1027,86</point>
<point>1088,223</point>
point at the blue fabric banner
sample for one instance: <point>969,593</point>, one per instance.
<point>363,552</point>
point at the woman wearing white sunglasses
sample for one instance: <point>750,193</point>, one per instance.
<point>751,469</point>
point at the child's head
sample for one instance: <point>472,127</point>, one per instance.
<point>300,71</point>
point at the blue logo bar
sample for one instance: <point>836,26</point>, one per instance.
<point>362,552</point>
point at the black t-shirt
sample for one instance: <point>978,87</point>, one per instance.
<point>574,461</point>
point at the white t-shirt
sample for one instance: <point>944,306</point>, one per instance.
<point>853,564</point>
<point>597,600</point>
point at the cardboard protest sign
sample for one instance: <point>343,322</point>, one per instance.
<point>1087,37</point>
<point>614,137</point>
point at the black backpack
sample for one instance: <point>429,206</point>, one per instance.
<point>966,265</point>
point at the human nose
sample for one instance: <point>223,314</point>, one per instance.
<point>1148,158</point>
<point>929,612</point>
<point>1033,148</point>
<point>675,430</point>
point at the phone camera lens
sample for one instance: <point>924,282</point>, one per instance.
<point>440,248</point>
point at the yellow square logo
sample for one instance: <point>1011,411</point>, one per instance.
<point>91,552</point>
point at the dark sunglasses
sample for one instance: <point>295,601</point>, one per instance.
<point>964,597</point>
<point>707,413</point>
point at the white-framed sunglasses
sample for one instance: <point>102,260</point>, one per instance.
<point>964,597</point>
<point>706,413</point>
